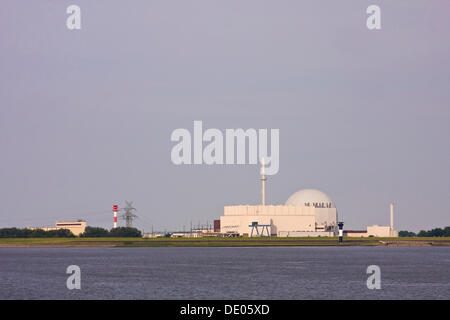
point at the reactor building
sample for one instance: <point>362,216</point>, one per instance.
<point>307,212</point>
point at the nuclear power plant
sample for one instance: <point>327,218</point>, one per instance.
<point>306,213</point>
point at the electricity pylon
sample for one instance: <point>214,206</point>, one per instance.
<point>128,214</point>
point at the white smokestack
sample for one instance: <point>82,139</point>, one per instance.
<point>263,182</point>
<point>392,216</point>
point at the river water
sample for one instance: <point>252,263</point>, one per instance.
<point>226,273</point>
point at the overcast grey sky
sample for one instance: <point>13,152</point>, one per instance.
<point>86,116</point>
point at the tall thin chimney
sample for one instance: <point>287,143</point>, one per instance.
<point>115,209</point>
<point>263,182</point>
<point>392,216</point>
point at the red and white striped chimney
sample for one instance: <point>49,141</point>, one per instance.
<point>115,209</point>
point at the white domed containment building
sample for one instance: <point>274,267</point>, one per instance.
<point>307,212</point>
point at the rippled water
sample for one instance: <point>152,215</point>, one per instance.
<point>225,273</point>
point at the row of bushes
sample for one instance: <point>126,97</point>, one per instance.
<point>93,232</point>
<point>37,233</point>
<point>437,232</point>
<point>64,233</point>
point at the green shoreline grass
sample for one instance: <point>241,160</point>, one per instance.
<point>217,242</point>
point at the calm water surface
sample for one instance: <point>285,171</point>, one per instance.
<point>225,273</point>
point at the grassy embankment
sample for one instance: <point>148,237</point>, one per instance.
<point>218,242</point>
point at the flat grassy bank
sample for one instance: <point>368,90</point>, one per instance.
<point>218,242</point>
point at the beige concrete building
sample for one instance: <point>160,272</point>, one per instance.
<point>76,227</point>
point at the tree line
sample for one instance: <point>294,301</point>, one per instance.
<point>94,232</point>
<point>436,232</point>
<point>35,233</point>
<point>65,233</point>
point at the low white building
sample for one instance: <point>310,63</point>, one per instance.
<point>376,230</point>
<point>381,231</point>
